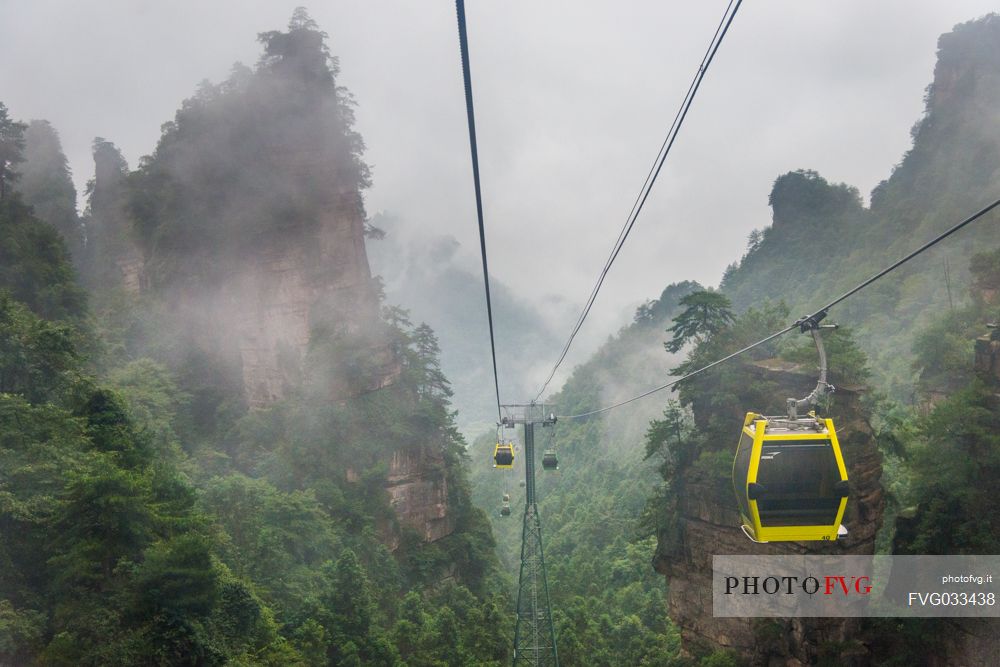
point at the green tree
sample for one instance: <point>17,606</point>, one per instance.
<point>432,380</point>
<point>154,400</point>
<point>665,435</point>
<point>37,357</point>
<point>112,430</point>
<point>34,264</point>
<point>21,633</point>
<point>806,194</point>
<point>954,467</point>
<point>174,591</point>
<point>351,601</point>
<point>11,150</point>
<point>705,313</point>
<point>270,537</point>
<point>107,220</point>
<point>47,185</point>
<point>411,628</point>
<point>105,518</point>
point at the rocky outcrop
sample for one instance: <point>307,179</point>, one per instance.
<point>262,316</point>
<point>286,289</point>
<point>418,493</point>
<point>707,523</point>
<point>113,257</point>
<point>131,265</point>
<point>417,486</point>
<point>249,222</point>
<point>262,311</point>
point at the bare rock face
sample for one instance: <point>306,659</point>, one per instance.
<point>259,304</point>
<point>274,302</point>
<point>417,484</point>
<point>418,492</point>
<point>281,292</point>
<point>708,521</point>
<point>260,314</point>
<point>131,265</point>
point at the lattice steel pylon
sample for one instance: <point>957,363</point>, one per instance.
<point>534,634</point>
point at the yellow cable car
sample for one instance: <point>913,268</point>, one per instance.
<point>790,479</point>
<point>503,455</point>
<point>789,474</point>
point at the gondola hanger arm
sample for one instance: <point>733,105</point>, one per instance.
<point>813,326</point>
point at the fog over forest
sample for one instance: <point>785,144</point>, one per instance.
<point>572,106</point>
<point>247,408</point>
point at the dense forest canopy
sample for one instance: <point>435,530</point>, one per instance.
<point>149,515</point>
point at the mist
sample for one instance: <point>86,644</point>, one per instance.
<point>558,159</point>
<point>242,321</point>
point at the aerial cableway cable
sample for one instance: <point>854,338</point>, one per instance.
<point>654,171</point>
<point>463,41</point>
<point>799,324</point>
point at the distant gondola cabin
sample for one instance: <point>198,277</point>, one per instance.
<point>790,479</point>
<point>503,455</point>
<point>549,460</point>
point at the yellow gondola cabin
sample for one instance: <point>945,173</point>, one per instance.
<point>790,479</point>
<point>503,455</point>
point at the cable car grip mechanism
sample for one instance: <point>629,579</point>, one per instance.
<point>811,324</point>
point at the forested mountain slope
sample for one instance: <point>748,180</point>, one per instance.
<point>918,382</point>
<point>609,606</point>
<point>236,454</point>
<point>823,241</point>
<point>906,338</point>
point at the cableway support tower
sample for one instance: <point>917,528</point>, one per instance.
<point>534,634</point>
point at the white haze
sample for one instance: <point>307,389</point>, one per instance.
<point>573,99</point>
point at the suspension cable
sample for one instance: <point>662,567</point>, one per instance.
<point>654,171</point>
<point>686,377</point>
<point>463,41</point>
<point>805,321</point>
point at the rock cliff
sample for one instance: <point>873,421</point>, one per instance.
<point>249,252</point>
<point>708,524</point>
<point>264,314</point>
<point>111,256</point>
<point>418,492</point>
<point>285,289</point>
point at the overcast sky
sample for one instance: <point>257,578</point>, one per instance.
<point>572,100</point>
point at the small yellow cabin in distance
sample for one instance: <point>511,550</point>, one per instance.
<point>790,479</point>
<point>503,455</point>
